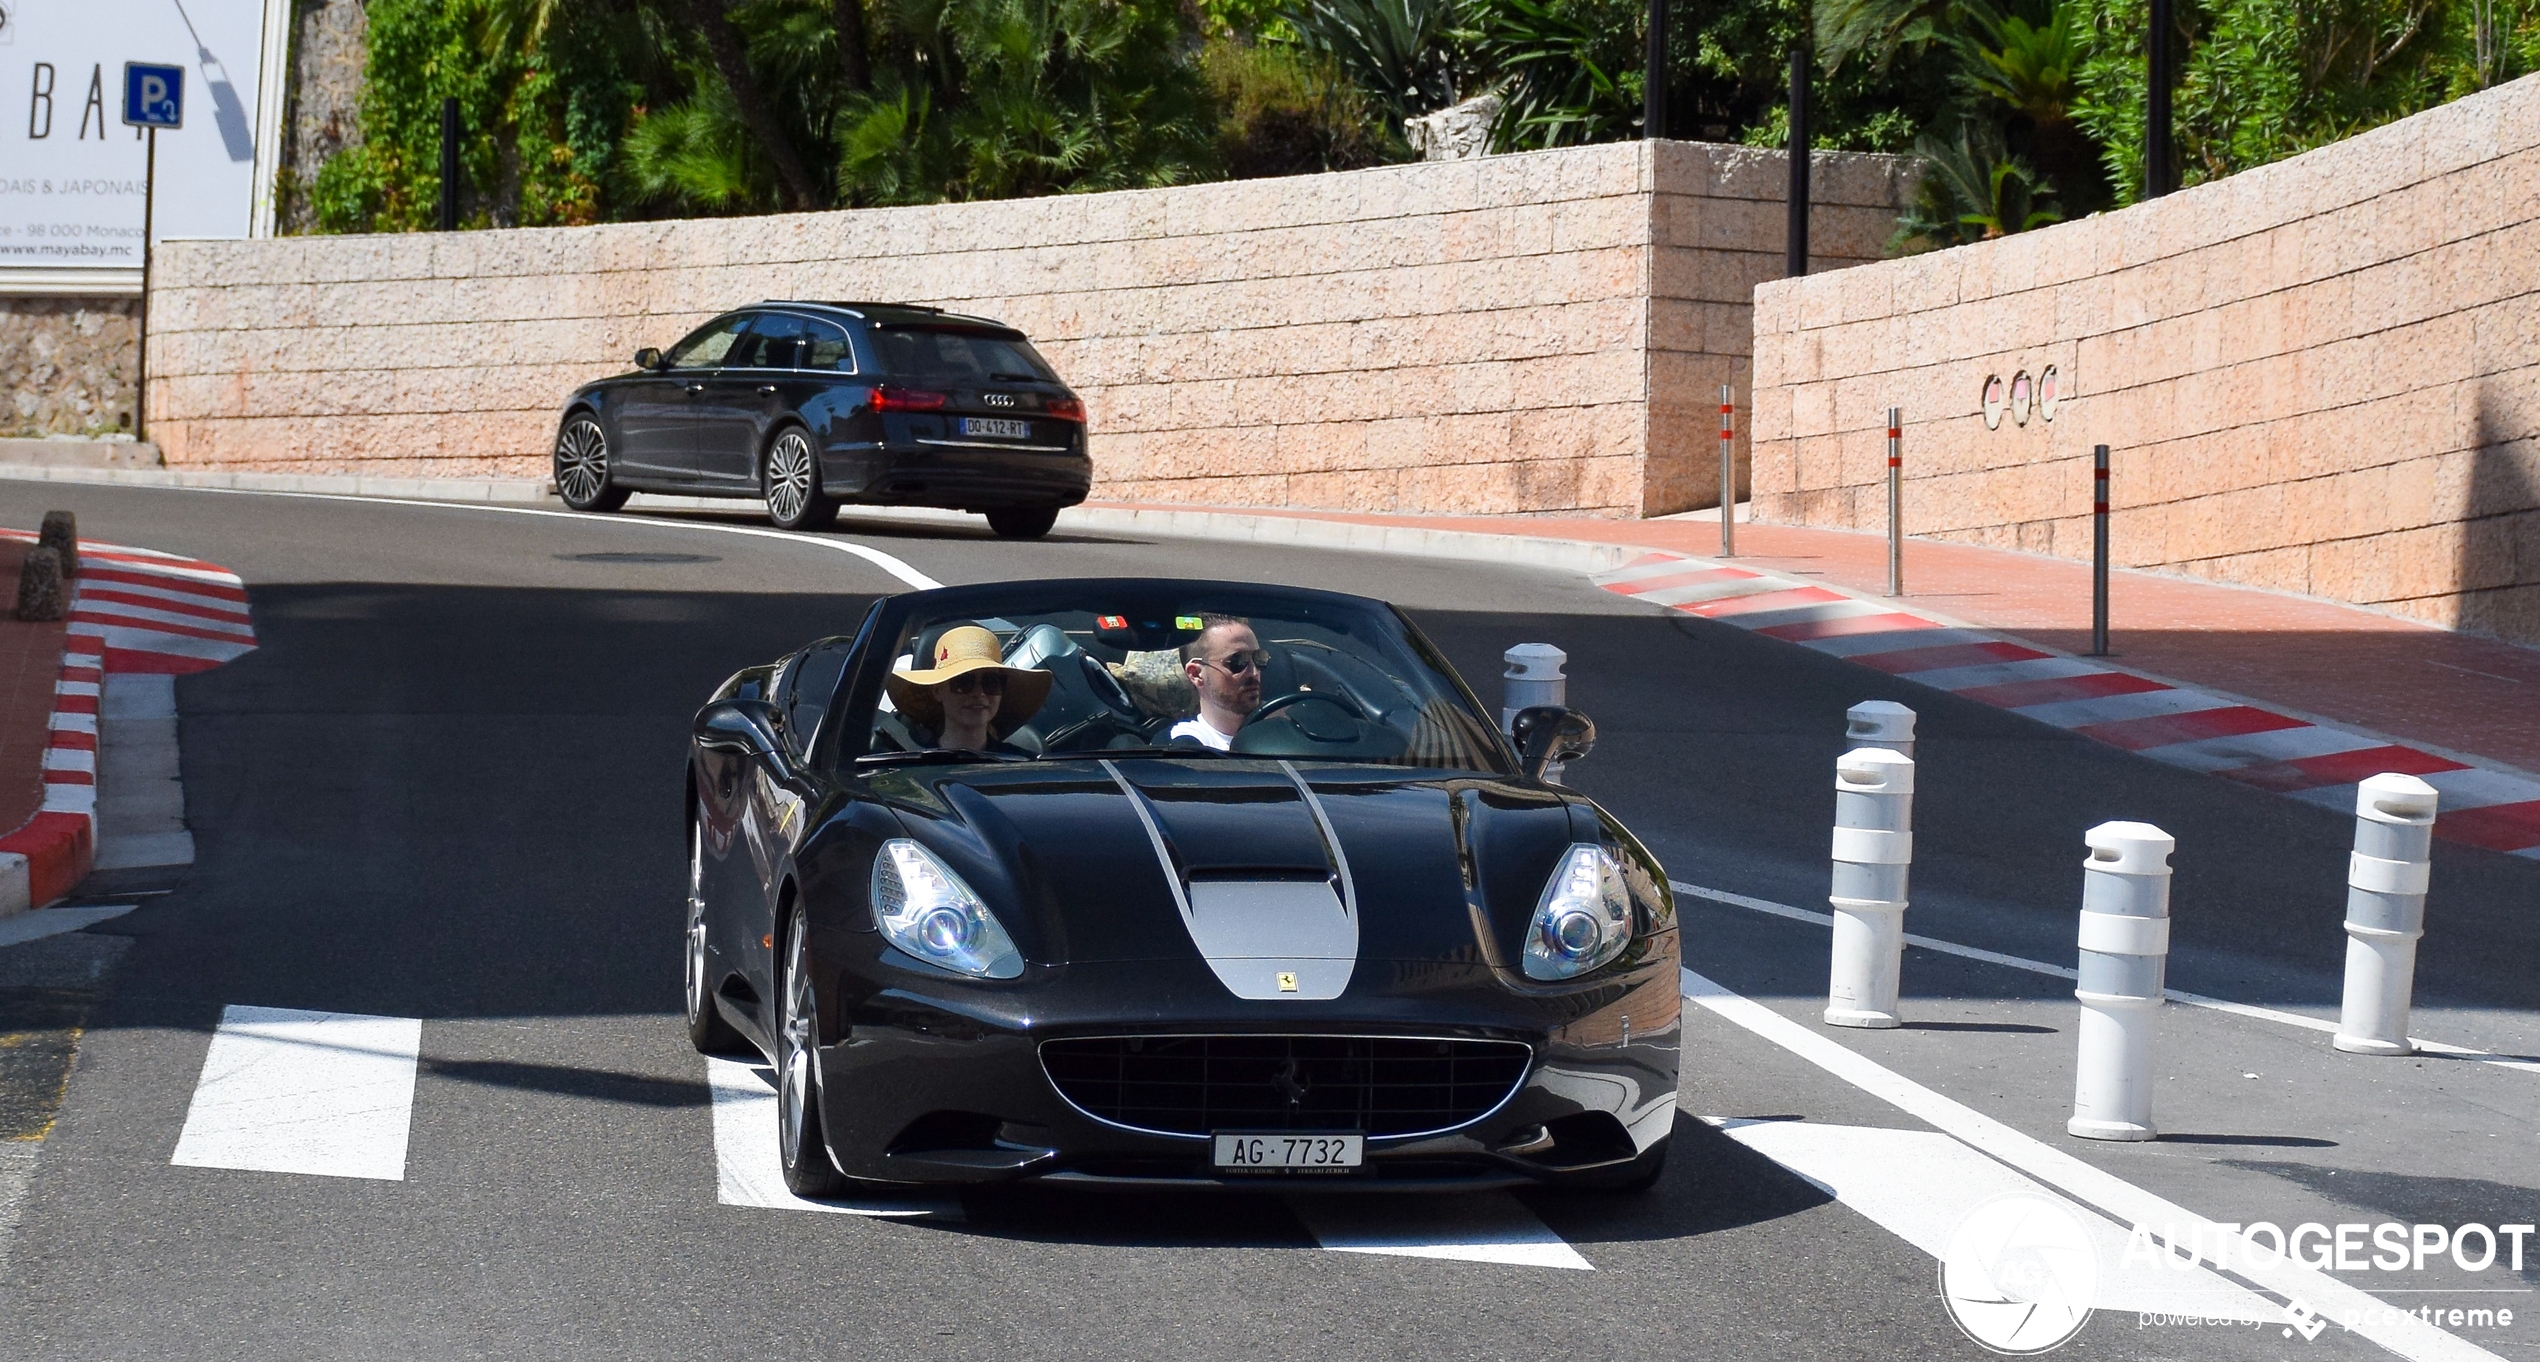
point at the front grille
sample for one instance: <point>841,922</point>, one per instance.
<point>1191,1085</point>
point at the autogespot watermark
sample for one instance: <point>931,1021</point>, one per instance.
<point>2355,1246</point>
<point>2020,1275</point>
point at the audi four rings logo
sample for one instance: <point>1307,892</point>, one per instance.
<point>999,399</point>
<point>2023,394</point>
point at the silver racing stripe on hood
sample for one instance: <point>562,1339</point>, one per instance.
<point>1331,840</point>
<point>1266,939</point>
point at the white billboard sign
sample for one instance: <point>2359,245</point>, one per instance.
<point>72,174</point>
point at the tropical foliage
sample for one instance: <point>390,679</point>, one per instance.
<point>2028,111</point>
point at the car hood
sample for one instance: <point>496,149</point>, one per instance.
<point>1264,868</point>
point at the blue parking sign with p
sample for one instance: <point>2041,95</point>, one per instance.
<point>153,96</point>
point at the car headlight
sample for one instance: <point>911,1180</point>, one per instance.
<point>1584,918</point>
<point>925,910</point>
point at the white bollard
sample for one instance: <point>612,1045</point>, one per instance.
<point>1880,723</point>
<point>2125,947</point>
<point>1873,854</point>
<point>2385,912</point>
<point>1533,678</point>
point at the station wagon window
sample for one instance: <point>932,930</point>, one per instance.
<point>706,346</point>
<point>773,340</point>
<point>948,355</point>
<point>825,348</point>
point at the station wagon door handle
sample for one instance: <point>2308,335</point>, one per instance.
<point>767,390</point>
<point>696,387</point>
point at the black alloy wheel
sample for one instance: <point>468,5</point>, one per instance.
<point>582,467</point>
<point>808,1170</point>
<point>1022,522</point>
<point>790,480</point>
<point>707,1030</point>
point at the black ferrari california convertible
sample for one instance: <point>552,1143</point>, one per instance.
<point>1165,883</point>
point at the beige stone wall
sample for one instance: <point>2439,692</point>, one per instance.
<point>1503,335</point>
<point>68,365</point>
<point>2321,376</point>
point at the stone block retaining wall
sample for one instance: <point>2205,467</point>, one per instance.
<point>2320,376</point>
<point>1535,332</point>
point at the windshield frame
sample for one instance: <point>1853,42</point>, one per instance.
<point>848,732</point>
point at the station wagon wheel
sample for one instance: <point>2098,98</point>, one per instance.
<point>707,1030</point>
<point>1022,522</point>
<point>791,482</point>
<point>582,467</point>
<point>798,1141</point>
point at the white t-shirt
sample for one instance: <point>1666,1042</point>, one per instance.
<point>1203,730</point>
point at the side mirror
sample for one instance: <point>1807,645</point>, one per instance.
<point>648,359</point>
<point>744,728</point>
<point>1550,737</point>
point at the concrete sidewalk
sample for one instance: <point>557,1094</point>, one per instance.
<point>2336,662</point>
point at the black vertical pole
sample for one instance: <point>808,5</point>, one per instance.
<point>2159,177</point>
<point>1797,262</point>
<point>449,165</point>
<point>1653,95</point>
<point>2099,551</point>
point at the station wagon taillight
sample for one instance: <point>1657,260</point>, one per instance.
<point>907,399</point>
<point>1064,408</point>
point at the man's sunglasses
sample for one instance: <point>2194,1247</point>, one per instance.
<point>983,680</point>
<point>1238,663</point>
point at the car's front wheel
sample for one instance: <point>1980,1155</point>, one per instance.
<point>707,1030</point>
<point>1022,522</point>
<point>799,1145</point>
<point>790,479</point>
<point>582,467</point>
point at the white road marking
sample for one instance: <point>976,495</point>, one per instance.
<point>1492,1227</point>
<point>2176,995</point>
<point>896,567</point>
<point>2112,1196</point>
<point>747,1171</point>
<point>287,1091</point>
<point>1920,1185</point>
<point>43,922</point>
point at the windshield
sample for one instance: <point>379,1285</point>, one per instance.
<point>1237,674</point>
<point>935,355</point>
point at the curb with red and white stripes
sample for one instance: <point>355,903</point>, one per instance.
<point>132,611</point>
<point>2498,809</point>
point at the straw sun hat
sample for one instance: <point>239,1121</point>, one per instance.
<point>966,649</point>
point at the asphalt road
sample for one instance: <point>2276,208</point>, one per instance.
<point>446,787</point>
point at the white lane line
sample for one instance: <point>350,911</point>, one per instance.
<point>2113,1196</point>
<point>1492,1227</point>
<point>747,1171</point>
<point>894,566</point>
<point>1920,1186</point>
<point>287,1091</point>
<point>2176,995</point>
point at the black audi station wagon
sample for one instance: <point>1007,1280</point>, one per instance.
<point>808,405</point>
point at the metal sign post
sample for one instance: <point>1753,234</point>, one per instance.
<point>153,98</point>
<point>1895,501</point>
<point>1728,473</point>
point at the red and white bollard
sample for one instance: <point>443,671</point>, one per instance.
<point>2125,947</point>
<point>2386,880</point>
<point>1873,855</point>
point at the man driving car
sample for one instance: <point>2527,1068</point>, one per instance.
<point>1224,665</point>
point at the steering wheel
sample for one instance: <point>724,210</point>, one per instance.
<point>1296,699</point>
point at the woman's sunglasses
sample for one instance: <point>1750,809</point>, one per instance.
<point>982,681</point>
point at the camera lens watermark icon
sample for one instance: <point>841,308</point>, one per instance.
<point>2019,1275</point>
